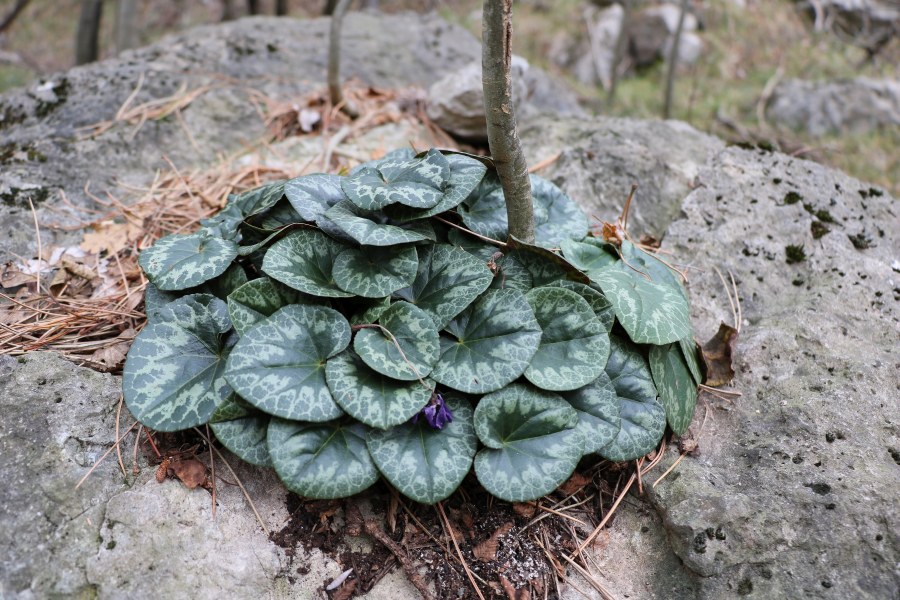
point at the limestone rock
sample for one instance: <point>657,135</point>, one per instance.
<point>857,105</point>
<point>870,24</point>
<point>590,60</point>
<point>651,30</point>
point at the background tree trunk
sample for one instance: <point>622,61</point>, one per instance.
<point>281,8</point>
<point>334,59</point>
<point>330,6</point>
<point>618,51</point>
<point>229,10</point>
<point>12,14</point>
<point>87,38</point>
<point>252,7</point>
<point>673,61</point>
<point>503,137</point>
<point>126,21</point>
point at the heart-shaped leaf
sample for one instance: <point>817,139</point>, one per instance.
<point>258,200</point>
<point>654,268</point>
<point>375,272</point>
<point>589,254</point>
<point>246,437</point>
<point>643,419</point>
<point>408,327</point>
<point>447,281</point>
<point>509,272</point>
<point>178,262</point>
<point>312,195</point>
<point>174,374</point>
<point>256,300</point>
<point>465,175</point>
<point>426,464</point>
<point>155,299</point>
<point>595,298</point>
<point>484,211</point>
<point>327,460</point>
<point>279,364</point>
<point>417,182</point>
<point>372,398</point>
<point>545,265</point>
<point>676,386</point>
<point>651,313</point>
<point>533,443</point>
<point>495,340</point>
<point>225,223</point>
<point>304,260</point>
<point>574,344</point>
<point>690,351</point>
<point>371,313</point>
<point>598,412</point>
<point>373,229</point>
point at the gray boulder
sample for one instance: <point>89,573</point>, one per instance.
<point>590,61</point>
<point>871,24</point>
<point>651,32</point>
<point>857,105</point>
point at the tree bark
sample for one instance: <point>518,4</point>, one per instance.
<point>126,20</point>
<point>12,14</point>
<point>619,50</point>
<point>252,7</point>
<point>229,10</point>
<point>281,8</point>
<point>330,6</point>
<point>334,60</point>
<point>503,136</point>
<point>87,38</point>
<point>673,61</point>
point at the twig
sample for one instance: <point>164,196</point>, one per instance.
<point>37,231</point>
<point>604,593</point>
<point>137,440</point>
<point>669,470</point>
<point>118,447</point>
<point>543,164</point>
<point>212,472</point>
<point>440,506</point>
<point>387,332</point>
<point>472,233</point>
<point>105,454</point>
<point>374,530</point>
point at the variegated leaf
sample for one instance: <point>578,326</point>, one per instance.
<point>532,442</point>
<point>258,200</point>
<point>490,344</point>
<point>178,262</point>
<point>598,412</point>
<point>304,260</point>
<point>312,195</point>
<point>589,254</point>
<point>412,330</point>
<point>509,272</point>
<point>374,272</point>
<point>574,344</point>
<point>321,460</point>
<point>373,229</point>
<point>426,464</point>
<point>372,398</point>
<point>465,175</point>
<point>676,386</point>
<point>595,298</point>
<point>246,437</point>
<point>417,182</point>
<point>690,351</point>
<point>256,300</point>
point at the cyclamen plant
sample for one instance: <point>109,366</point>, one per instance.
<point>339,328</point>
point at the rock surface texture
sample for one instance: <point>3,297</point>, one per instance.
<point>793,493</point>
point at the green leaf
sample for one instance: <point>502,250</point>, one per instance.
<point>484,211</point>
<point>256,300</point>
<point>496,339</point>
<point>425,464</point>
<point>258,200</point>
<point>465,175</point>
<point>643,419</point>
<point>173,377</point>
<point>233,278</point>
<point>416,335</point>
<point>372,398</point>
<point>651,313</point>
<point>374,272</point>
<point>416,182</point>
<point>574,344</point>
<point>595,299</point>
<point>374,229</point>
<point>278,217</point>
<point>304,260</point>
<point>225,223</point>
<point>689,350</point>
<point>279,364</point>
<point>533,443</point>
<point>327,460</point>
<point>447,281</point>
<point>312,195</point>
<point>234,407</point>
<point>545,265</point>
<point>564,220</point>
<point>246,437</point>
<point>589,254</point>
<point>652,266</point>
<point>510,272</point>
<point>371,313</point>
<point>155,299</point>
<point>676,386</point>
<point>178,262</point>
<point>598,412</point>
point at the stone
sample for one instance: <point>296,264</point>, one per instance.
<point>600,158</point>
<point>871,24</point>
<point>820,108</point>
<point>590,60</point>
<point>650,33</point>
<point>456,101</point>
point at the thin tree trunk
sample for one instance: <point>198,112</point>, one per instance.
<point>673,61</point>
<point>503,137</point>
<point>330,6</point>
<point>126,20</point>
<point>229,10</point>
<point>87,38</point>
<point>334,60</point>
<point>252,7</point>
<point>281,8</point>
<point>619,50</point>
<point>11,16</point>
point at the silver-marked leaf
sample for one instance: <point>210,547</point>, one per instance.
<point>224,224</point>
<point>598,412</point>
<point>426,464</point>
<point>447,281</point>
<point>233,407</point>
<point>495,340</point>
<point>689,349</point>
<point>178,262</point>
<point>373,229</point>
<point>374,272</point>
<point>545,265</point>
<point>257,200</point>
<point>233,278</point>
<point>155,299</point>
<point>312,195</point>
<point>509,272</point>
<point>396,154</point>
<point>595,298</point>
<point>484,211</point>
<point>372,398</point>
<point>643,418</point>
<point>676,386</point>
<point>327,460</point>
<point>279,364</point>
<point>564,220</point>
<point>304,260</point>
<point>574,344</point>
<point>246,437</point>
<point>533,442</point>
<point>174,374</point>
<point>372,313</point>
<point>413,330</point>
<point>256,300</point>
<point>651,313</point>
<point>589,254</point>
<point>649,263</point>
<point>465,175</point>
<point>278,217</point>
<point>417,182</point>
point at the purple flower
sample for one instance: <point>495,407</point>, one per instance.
<point>436,412</point>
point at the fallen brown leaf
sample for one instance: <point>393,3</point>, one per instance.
<point>574,484</point>
<point>525,509</point>
<point>486,551</point>
<point>345,591</point>
<point>512,593</point>
<point>190,471</point>
<point>717,356</point>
